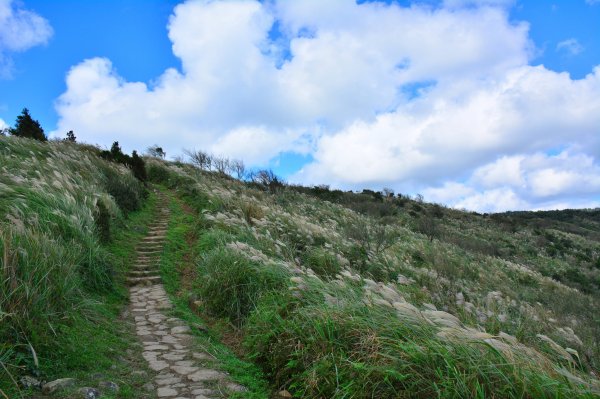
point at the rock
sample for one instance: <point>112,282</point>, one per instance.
<point>148,387</point>
<point>232,386</point>
<point>30,382</point>
<point>89,393</point>
<point>98,376</point>
<point>57,385</point>
<point>109,386</point>
<point>201,328</point>
<point>284,394</point>
<point>165,392</point>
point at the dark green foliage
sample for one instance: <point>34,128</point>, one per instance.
<point>102,221</point>
<point>138,167</point>
<point>27,127</point>
<point>134,162</point>
<point>128,196</point>
<point>71,137</point>
<point>156,151</point>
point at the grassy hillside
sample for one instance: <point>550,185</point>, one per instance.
<point>365,295</point>
<point>59,205</point>
<point>332,294</point>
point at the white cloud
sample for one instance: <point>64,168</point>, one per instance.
<point>415,98</point>
<point>592,2</point>
<point>537,181</point>
<point>3,125</point>
<point>20,29</point>
<point>570,46</point>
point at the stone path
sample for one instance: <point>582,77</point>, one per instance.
<point>181,371</point>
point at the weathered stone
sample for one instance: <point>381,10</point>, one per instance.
<point>57,385</point>
<point>205,375</point>
<point>158,365</point>
<point>30,382</point>
<point>180,329</point>
<point>148,387</point>
<point>232,386</point>
<point>108,386</point>
<point>165,392</point>
<point>89,393</point>
<point>184,370</point>
<point>167,380</point>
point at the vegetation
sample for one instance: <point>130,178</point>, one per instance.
<point>328,293</point>
<point>58,274</point>
<point>28,127</point>
<point>375,295</point>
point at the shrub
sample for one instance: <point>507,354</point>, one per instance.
<point>231,284</point>
<point>127,193</point>
<point>102,221</point>
<point>323,263</point>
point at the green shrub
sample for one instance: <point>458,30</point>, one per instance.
<point>231,284</point>
<point>323,263</point>
<point>127,193</point>
<point>102,221</point>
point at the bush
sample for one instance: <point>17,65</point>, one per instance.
<point>127,193</point>
<point>323,263</point>
<point>231,284</point>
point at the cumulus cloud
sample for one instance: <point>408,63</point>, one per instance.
<point>3,125</point>
<point>20,29</point>
<point>570,46</point>
<point>416,98</point>
<point>535,181</point>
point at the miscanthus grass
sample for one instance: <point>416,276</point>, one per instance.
<point>52,198</point>
<point>333,303</point>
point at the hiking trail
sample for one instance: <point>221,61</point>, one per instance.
<point>182,371</point>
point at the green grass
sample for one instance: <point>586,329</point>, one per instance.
<point>331,331</point>
<point>178,254</point>
<point>59,284</point>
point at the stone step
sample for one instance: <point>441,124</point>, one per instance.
<point>142,273</point>
<point>155,234</point>
<point>144,267</point>
<point>151,246</point>
<point>155,238</point>
<point>147,252</point>
<point>146,280</point>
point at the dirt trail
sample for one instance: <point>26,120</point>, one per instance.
<point>181,370</point>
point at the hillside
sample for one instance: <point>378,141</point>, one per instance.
<point>328,293</point>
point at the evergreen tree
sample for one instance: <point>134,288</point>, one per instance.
<point>26,126</point>
<point>71,136</point>
<point>138,166</point>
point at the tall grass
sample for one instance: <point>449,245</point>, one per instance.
<point>336,304</point>
<point>52,259</point>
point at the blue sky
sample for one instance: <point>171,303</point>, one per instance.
<point>461,100</point>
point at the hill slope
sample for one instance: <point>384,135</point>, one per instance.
<point>332,294</point>
<point>401,299</point>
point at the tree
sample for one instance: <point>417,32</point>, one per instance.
<point>238,167</point>
<point>71,136</point>
<point>138,166</point>
<point>201,159</point>
<point>26,126</point>
<point>156,151</point>
<point>267,179</point>
<point>221,164</point>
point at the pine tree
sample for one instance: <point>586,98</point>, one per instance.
<point>26,126</point>
<point>71,136</point>
<point>138,166</point>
